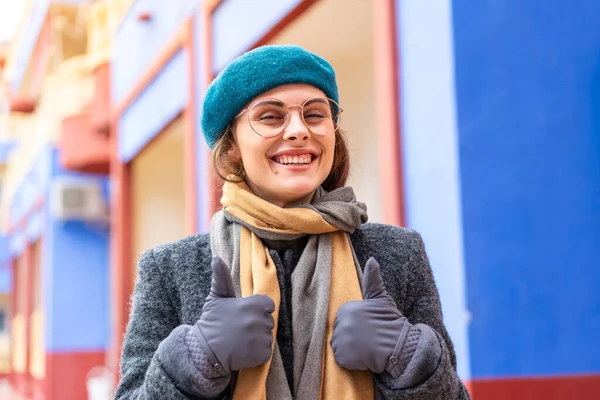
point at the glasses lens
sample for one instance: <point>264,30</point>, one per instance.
<point>320,116</point>
<point>268,117</point>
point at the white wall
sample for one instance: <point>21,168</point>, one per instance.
<point>430,159</point>
<point>158,191</point>
<point>355,82</point>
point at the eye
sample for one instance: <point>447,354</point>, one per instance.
<point>314,117</point>
<point>267,117</point>
<point>315,114</point>
<point>268,112</point>
<point>270,117</point>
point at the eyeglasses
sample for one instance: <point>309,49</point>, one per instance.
<point>269,117</point>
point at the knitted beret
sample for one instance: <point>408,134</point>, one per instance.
<point>256,72</point>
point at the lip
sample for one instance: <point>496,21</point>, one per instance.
<point>295,167</point>
<point>294,152</point>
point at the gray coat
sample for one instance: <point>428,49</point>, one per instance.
<point>174,280</point>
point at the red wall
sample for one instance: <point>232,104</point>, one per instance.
<point>66,374</point>
<point>558,388</point>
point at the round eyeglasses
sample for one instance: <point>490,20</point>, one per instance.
<point>269,117</point>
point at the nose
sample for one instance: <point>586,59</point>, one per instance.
<point>296,130</point>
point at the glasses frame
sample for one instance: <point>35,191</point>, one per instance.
<point>336,118</point>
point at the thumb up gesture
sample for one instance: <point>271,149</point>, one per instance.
<point>366,332</point>
<point>235,333</point>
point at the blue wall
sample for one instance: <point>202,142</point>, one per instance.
<point>76,280</point>
<point>33,187</point>
<point>5,267</point>
<point>6,147</point>
<point>203,162</point>
<point>35,21</point>
<point>138,43</point>
<point>5,280</point>
<point>31,190</point>
<point>528,96</point>
<point>164,98</point>
<point>137,46</point>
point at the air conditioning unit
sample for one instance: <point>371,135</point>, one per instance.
<point>78,199</point>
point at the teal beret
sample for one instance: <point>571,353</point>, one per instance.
<point>256,72</point>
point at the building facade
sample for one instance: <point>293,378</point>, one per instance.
<point>55,198</point>
<point>472,123</point>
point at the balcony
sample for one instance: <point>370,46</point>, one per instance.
<point>22,104</point>
<point>83,116</point>
<point>85,97</point>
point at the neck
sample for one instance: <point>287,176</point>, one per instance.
<point>292,203</point>
<point>281,201</point>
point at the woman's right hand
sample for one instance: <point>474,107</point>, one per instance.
<point>234,332</point>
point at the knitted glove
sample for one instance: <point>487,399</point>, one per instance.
<point>188,367</point>
<point>234,333</point>
<point>369,334</point>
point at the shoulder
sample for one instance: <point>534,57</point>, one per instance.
<point>378,231</point>
<point>386,242</point>
<point>182,251</point>
<point>183,270</point>
<point>401,255</point>
<point>192,252</point>
<point>176,257</point>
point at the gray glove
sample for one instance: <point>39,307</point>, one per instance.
<point>368,334</point>
<point>234,333</point>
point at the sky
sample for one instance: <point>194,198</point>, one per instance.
<point>10,15</point>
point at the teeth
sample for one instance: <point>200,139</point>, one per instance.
<point>297,159</point>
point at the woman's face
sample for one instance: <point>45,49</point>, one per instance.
<point>285,169</point>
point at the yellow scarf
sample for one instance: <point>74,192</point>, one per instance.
<point>258,276</point>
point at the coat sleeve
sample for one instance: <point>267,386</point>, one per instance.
<point>155,361</point>
<point>424,308</point>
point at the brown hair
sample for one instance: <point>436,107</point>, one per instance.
<point>225,165</point>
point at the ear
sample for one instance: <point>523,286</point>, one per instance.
<point>234,153</point>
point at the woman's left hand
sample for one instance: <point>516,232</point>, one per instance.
<point>368,334</point>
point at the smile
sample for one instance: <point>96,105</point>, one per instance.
<point>296,159</point>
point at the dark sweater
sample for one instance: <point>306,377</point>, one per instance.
<point>174,279</point>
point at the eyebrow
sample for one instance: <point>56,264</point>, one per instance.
<point>280,103</point>
<point>317,100</point>
<point>272,102</point>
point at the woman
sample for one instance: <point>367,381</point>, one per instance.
<point>286,297</point>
